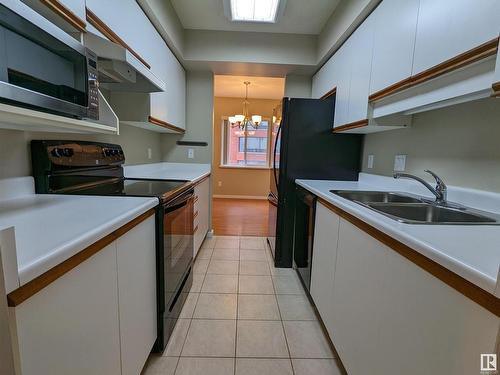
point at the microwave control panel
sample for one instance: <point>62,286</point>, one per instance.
<point>93,97</point>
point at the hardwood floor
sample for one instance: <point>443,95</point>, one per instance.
<point>240,217</point>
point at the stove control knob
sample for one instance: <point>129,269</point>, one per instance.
<point>56,152</point>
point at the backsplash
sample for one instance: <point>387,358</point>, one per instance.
<point>15,158</point>
<point>460,143</point>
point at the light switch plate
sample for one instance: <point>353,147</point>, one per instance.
<point>150,153</point>
<point>399,163</point>
<point>190,153</point>
<point>371,159</point>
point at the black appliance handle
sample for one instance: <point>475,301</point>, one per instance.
<point>274,157</point>
<point>179,201</point>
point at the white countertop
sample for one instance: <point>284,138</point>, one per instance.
<point>168,171</point>
<point>471,251</point>
<point>51,228</point>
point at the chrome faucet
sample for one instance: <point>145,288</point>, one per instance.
<point>440,191</point>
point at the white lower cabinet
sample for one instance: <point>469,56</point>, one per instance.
<point>136,259</point>
<point>323,264</point>
<point>386,315</point>
<point>99,318</point>
<point>201,212</point>
<point>72,326</point>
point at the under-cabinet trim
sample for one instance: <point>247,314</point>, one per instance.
<point>21,294</point>
<point>66,14</point>
<point>473,55</point>
<point>350,126</point>
<point>100,25</point>
<point>496,89</point>
<point>457,282</point>
<point>164,124</point>
<point>330,93</point>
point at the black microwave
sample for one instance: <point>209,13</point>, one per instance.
<point>44,68</point>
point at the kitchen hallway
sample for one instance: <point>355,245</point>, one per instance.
<point>245,317</point>
<point>240,217</point>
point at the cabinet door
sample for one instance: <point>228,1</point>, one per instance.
<point>128,21</point>
<point>201,208</point>
<point>496,78</point>
<point>360,47</point>
<point>356,299</point>
<point>136,259</point>
<point>72,325</point>
<point>394,42</point>
<point>447,28</point>
<point>343,79</point>
<point>326,78</point>
<point>323,263</point>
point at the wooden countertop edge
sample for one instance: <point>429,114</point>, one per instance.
<point>66,14</point>
<point>21,294</point>
<point>201,179</point>
<point>496,89</point>
<point>457,282</point>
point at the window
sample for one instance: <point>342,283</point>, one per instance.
<point>250,149</point>
<point>254,10</point>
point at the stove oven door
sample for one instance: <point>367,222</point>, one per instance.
<point>177,260</point>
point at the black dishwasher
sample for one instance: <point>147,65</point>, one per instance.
<point>305,212</point>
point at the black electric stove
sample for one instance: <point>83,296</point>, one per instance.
<point>92,168</point>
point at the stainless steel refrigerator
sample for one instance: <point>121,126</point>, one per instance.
<point>305,147</point>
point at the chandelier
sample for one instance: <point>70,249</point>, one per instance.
<point>244,121</point>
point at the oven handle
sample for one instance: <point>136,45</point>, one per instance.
<point>179,202</point>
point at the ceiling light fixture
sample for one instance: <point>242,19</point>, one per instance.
<point>243,121</point>
<point>266,11</point>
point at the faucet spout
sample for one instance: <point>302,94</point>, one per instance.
<point>440,191</point>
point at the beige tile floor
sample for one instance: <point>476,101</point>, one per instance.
<point>244,317</point>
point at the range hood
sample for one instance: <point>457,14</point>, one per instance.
<point>119,70</point>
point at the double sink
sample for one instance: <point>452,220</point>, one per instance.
<point>411,209</point>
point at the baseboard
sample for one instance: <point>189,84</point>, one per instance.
<point>240,197</point>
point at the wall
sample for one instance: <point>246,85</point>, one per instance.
<point>297,86</point>
<point>239,182</point>
<point>15,158</point>
<point>199,119</point>
<point>459,143</point>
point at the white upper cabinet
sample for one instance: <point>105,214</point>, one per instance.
<point>343,83</point>
<point>168,108</point>
<point>447,28</point>
<point>75,6</point>
<point>360,49</point>
<point>394,42</point>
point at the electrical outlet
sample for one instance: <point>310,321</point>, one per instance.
<point>371,159</point>
<point>399,163</point>
<point>219,183</point>
<point>150,153</point>
<point>190,153</point>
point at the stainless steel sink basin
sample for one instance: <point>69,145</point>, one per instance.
<point>375,196</point>
<point>425,213</point>
<point>418,210</point>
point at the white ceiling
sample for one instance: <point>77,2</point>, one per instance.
<point>259,88</point>
<point>299,17</point>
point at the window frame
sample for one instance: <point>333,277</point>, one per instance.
<point>223,157</point>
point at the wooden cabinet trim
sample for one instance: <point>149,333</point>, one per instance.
<point>496,89</point>
<point>473,55</point>
<point>24,292</point>
<point>201,180</point>
<point>461,285</point>
<point>111,35</point>
<point>66,14</point>
<point>350,126</point>
<point>166,125</point>
<point>329,93</point>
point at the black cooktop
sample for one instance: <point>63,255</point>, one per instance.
<point>132,187</point>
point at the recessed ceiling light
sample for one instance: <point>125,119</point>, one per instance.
<point>254,10</point>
